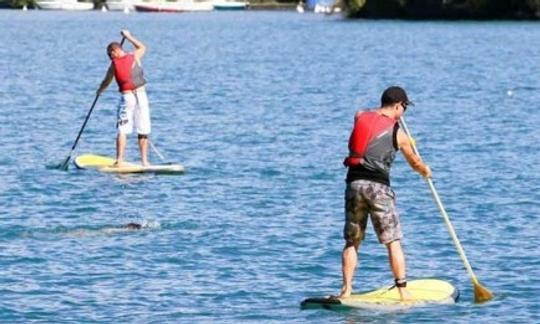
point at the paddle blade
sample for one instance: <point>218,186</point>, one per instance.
<point>64,166</point>
<point>481,293</point>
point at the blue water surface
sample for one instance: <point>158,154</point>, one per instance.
<point>258,106</point>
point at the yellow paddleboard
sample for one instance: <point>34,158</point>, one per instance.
<point>106,164</point>
<point>424,292</point>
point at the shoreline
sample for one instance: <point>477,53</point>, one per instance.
<point>359,13</point>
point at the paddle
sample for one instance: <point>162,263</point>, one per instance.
<point>64,166</point>
<point>481,293</point>
<point>157,153</point>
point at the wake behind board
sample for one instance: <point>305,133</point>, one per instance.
<point>424,292</point>
<point>106,164</point>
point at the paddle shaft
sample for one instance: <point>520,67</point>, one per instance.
<point>156,150</point>
<point>85,122</point>
<point>443,211</point>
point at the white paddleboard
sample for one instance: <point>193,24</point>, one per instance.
<point>106,164</point>
<point>423,291</point>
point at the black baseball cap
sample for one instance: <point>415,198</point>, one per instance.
<point>394,95</point>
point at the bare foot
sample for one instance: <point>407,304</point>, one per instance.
<point>118,164</point>
<point>405,295</point>
<point>345,293</point>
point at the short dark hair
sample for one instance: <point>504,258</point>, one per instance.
<point>394,94</point>
<point>112,46</point>
<point>133,226</point>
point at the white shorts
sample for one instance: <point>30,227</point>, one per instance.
<point>134,110</point>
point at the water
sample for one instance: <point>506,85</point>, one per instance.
<point>258,107</point>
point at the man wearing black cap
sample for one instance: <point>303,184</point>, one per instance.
<point>373,143</point>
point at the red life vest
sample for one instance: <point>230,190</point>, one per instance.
<point>367,127</point>
<point>128,73</point>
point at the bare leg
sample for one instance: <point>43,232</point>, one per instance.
<point>397,264</point>
<point>143,147</point>
<point>121,140</point>
<point>349,261</point>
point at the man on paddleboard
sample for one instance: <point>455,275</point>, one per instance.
<point>373,143</point>
<point>133,109</point>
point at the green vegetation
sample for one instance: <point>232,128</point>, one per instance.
<point>272,4</point>
<point>16,3</point>
<point>443,9</point>
<point>21,3</point>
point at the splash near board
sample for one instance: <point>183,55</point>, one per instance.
<point>424,291</point>
<point>106,164</point>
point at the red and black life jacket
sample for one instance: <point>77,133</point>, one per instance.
<point>373,143</point>
<point>128,73</point>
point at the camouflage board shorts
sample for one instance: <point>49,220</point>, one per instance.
<point>363,198</point>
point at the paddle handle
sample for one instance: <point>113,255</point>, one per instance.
<point>438,201</point>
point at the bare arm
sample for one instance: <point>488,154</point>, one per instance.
<point>107,80</point>
<point>140,49</point>
<point>415,162</point>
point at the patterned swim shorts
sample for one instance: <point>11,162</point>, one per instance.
<point>134,111</point>
<point>363,198</point>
